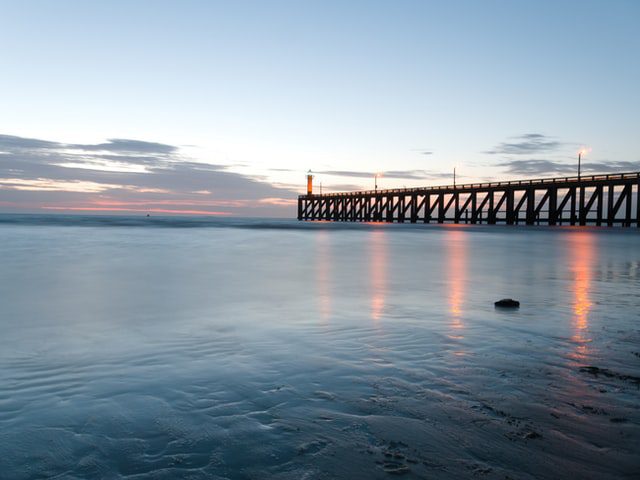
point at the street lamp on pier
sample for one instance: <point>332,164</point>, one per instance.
<point>581,152</point>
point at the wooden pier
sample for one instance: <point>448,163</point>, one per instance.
<point>606,200</point>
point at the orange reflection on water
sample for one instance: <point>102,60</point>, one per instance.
<point>456,261</point>
<point>323,274</point>
<point>378,272</point>
<point>583,251</point>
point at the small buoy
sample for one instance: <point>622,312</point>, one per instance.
<point>507,303</point>
<point>148,215</point>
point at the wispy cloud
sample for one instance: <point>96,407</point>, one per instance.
<point>541,167</point>
<point>527,144</point>
<point>43,174</point>
<point>342,187</point>
<point>397,174</point>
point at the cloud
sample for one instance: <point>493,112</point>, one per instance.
<point>121,173</point>
<point>117,145</point>
<point>398,174</point>
<point>541,167</point>
<point>346,173</point>
<point>11,143</point>
<point>343,187</point>
<point>47,185</point>
<point>526,144</point>
<point>125,145</point>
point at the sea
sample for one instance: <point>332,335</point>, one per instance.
<point>208,348</point>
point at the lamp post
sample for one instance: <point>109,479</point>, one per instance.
<point>454,177</point>
<point>579,159</point>
<point>582,151</point>
<point>375,177</point>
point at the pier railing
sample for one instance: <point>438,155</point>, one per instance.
<point>574,200</point>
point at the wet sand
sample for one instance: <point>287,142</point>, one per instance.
<point>293,353</point>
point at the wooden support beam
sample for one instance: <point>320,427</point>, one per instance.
<point>426,201</point>
<point>545,198</point>
<point>389,208</point>
<point>456,207</point>
<point>414,208</point>
<point>491,217</point>
<point>313,208</point>
<point>498,206</point>
<point>552,216</point>
<point>375,216</point>
<point>616,207</point>
<point>401,208</point>
<point>561,207</point>
<point>509,214</point>
<point>638,205</point>
<point>582,210</point>
<point>610,212</point>
<point>474,211</point>
<point>429,215</point>
<point>481,207</point>
<point>443,213</point>
<point>464,207</point>
<point>627,213</point>
<point>573,205</point>
<point>587,207</point>
<point>599,204</point>
<point>359,206</point>
<point>516,209</point>
<point>441,208</point>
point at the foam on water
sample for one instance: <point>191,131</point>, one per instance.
<point>278,349</point>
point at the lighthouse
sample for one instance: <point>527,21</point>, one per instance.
<point>309,183</point>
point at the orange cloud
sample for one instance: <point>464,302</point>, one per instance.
<point>282,202</point>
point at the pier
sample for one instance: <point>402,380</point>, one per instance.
<point>601,200</point>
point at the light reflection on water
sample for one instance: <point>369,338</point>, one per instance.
<point>582,246</point>
<point>378,272</point>
<point>455,272</point>
<point>323,261</point>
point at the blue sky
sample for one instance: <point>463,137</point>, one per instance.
<point>264,91</point>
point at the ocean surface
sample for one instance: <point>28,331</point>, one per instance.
<point>164,348</point>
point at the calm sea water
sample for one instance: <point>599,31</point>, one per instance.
<point>197,348</point>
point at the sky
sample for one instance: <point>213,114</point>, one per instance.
<point>221,108</point>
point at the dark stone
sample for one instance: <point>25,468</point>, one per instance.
<point>507,303</point>
<point>618,420</point>
<point>595,371</point>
